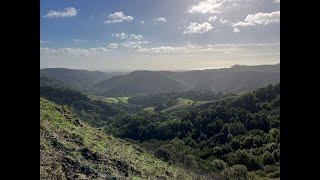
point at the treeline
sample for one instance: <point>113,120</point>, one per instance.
<point>158,99</point>
<point>242,132</point>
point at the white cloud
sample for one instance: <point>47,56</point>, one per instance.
<point>260,19</point>
<point>135,47</point>
<point>113,45</point>
<point>236,30</point>
<point>137,37</point>
<point>129,44</point>
<point>276,1</point>
<point>45,51</point>
<point>198,28</point>
<point>208,6</point>
<point>160,50</point>
<point>142,22</point>
<point>68,12</point>
<point>160,19</point>
<point>199,49</point>
<point>118,17</point>
<point>212,18</point>
<point>224,21</point>
<point>122,35</point>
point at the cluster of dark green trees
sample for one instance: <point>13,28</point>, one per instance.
<point>158,99</point>
<point>231,136</point>
<point>241,131</point>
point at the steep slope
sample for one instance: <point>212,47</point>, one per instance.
<point>139,82</point>
<point>71,149</point>
<point>77,79</point>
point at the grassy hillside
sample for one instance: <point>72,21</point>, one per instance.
<point>71,149</point>
<point>110,100</point>
<point>180,103</point>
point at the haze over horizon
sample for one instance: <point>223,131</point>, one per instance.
<point>166,35</point>
<point>131,70</point>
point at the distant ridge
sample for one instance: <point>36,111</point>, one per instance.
<point>238,78</point>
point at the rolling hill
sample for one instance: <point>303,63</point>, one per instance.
<point>76,79</point>
<point>48,81</point>
<point>139,82</point>
<point>235,79</point>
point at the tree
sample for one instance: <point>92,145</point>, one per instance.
<point>267,158</point>
<point>236,128</point>
<point>252,142</point>
<point>218,165</point>
<point>217,152</point>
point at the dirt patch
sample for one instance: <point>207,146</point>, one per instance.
<point>134,171</point>
<point>78,140</point>
<point>170,174</point>
<point>88,154</point>
<point>122,167</point>
<point>72,168</point>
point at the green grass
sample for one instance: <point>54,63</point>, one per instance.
<point>149,109</point>
<point>123,99</point>
<point>110,100</point>
<point>70,148</point>
<point>181,103</point>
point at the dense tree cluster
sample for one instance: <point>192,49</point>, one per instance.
<point>241,133</point>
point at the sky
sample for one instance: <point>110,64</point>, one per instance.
<point>125,35</point>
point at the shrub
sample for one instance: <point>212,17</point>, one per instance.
<point>267,158</point>
<point>238,172</point>
<point>218,165</point>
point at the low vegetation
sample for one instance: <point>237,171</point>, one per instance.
<point>71,149</point>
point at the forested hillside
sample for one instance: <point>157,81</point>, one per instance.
<point>76,79</point>
<point>243,131</point>
<point>216,134</point>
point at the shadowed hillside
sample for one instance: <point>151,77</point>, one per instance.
<point>76,79</point>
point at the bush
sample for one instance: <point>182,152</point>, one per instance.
<point>238,172</point>
<point>218,165</point>
<point>190,162</point>
<point>163,154</point>
<point>267,158</point>
<point>252,142</point>
<point>217,152</point>
<point>246,159</point>
<point>235,144</point>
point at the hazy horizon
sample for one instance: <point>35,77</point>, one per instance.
<point>166,35</point>
<point>130,70</point>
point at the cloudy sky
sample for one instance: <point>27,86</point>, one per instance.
<point>158,34</point>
